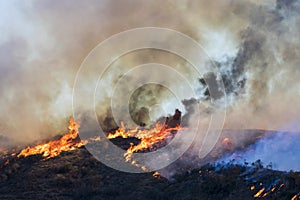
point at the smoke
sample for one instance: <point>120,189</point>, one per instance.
<point>271,87</point>
<point>278,150</point>
<point>42,47</point>
<point>254,45</point>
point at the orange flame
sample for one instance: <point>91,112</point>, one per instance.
<point>53,148</point>
<point>227,143</point>
<point>122,132</point>
<point>259,193</point>
<point>294,197</point>
<point>263,192</point>
<point>148,137</point>
<point>70,141</point>
<point>156,174</point>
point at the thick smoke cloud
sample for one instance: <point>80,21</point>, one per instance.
<point>254,44</point>
<point>42,47</point>
<point>272,88</point>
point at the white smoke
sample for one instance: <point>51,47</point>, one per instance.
<point>42,44</point>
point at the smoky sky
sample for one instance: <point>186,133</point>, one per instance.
<point>254,45</point>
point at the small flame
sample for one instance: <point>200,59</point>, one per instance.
<point>53,148</point>
<point>156,174</point>
<point>259,193</point>
<point>123,132</point>
<point>295,197</point>
<point>263,192</point>
<point>227,143</point>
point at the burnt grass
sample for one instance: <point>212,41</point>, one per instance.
<point>78,175</point>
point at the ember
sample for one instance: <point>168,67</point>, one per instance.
<point>259,193</point>
<point>263,192</point>
<point>295,197</point>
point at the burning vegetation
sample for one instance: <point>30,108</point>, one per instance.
<point>263,192</point>
<point>150,138</point>
<point>67,142</point>
<point>155,137</point>
<point>231,180</point>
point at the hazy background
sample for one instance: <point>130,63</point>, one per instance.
<point>255,44</point>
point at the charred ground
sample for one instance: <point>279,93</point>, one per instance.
<point>78,175</point>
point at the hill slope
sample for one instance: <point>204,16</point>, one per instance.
<point>78,175</point>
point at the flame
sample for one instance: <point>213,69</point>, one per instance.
<point>259,193</point>
<point>227,143</point>
<point>53,148</point>
<point>149,137</point>
<point>280,186</point>
<point>123,132</point>
<point>263,192</point>
<point>70,141</point>
<point>294,197</point>
<point>156,174</point>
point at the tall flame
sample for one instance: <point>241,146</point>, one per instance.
<point>51,149</point>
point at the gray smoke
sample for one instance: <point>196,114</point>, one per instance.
<point>254,45</point>
<point>279,150</point>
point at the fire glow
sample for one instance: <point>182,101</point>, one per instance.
<point>149,137</point>
<point>263,192</point>
<point>296,196</point>
<point>70,141</point>
<point>52,149</point>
